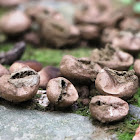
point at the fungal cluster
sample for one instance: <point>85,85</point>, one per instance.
<point>101,81</point>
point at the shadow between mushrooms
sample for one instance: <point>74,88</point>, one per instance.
<point>123,84</point>
<point>20,86</point>
<point>112,58</point>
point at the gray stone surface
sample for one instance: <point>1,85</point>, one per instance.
<point>134,111</point>
<point>21,124</point>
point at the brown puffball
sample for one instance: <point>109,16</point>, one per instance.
<point>89,32</point>
<point>3,71</point>
<point>112,57</point>
<point>20,86</point>
<point>79,70</point>
<point>35,65</point>
<point>46,74</point>
<point>14,22</point>
<point>130,23</point>
<point>61,92</point>
<point>137,67</point>
<point>108,108</point>
<point>123,84</point>
<point>127,41</point>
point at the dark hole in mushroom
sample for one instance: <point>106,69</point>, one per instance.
<point>22,74</point>
<point>63,83</point>
<point>98,103</point>
<point>86,62</point>
<point>120,73</point>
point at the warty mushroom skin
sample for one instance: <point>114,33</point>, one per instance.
<point>20,86</point>
<point>123,84</point>
<point>61,92</point>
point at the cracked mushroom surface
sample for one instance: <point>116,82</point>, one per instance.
<point>112,58</point>
<point>123,84</point>
<point>108,108</point>
<point>80,70</point>
<point>127,41</point>
<point>20,86</point>
<point>61,92</point>
<point>58,32</point>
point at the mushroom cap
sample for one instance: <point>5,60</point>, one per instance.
<point>89,32</point>
<point>61,92</point>
<point>20,86</point>
<point>112,58</point>
<point>46,74</point>
<point>121,84</point>
<point>130,23</point>
<point>127,41</point>
<point>14,22</point>
<point>3,71</point>
<point>58,33</point>
<point>33,64</point>
<point>108,108</point>
<point>79,70</point>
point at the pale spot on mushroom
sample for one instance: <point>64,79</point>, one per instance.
<point>111,111</point>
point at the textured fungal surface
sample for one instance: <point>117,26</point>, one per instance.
<point>61,92</point>
<point>81,70</point>
<point>20,86</point>
<point>112,58</point>
<point>123,84</point>
<point>108,108</point>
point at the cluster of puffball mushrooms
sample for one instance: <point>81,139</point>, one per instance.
<point>96,22</point>
<point>104,75</point>
<point>106,71</point>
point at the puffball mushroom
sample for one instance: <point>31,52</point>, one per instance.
<point>108,108</point>
<point>20,86</point>
<point>46,74</point>
<point>3,71</point>
<point>127,41</point>
<point>123,84</point>
<point>80,70</point>
<point>61,92</point>
<point>14,22</point>
<point>89,32</point>
<point>112,58</point>
<point>33,64</point>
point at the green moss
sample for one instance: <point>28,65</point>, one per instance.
<point>48,56</point>
<point>127,129</point>
<point>84,111</point>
